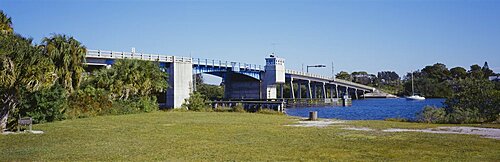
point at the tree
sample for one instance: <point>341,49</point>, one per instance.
<point>388,77</point>
<point>458,72</point>
<point>209,92</point>
<point>362,77</point>
<point>68,56</point>
<point>474,100</point>
<point>437,71</point>
<point>475,72</point>
<point>343,75</point>
<point>23,67</point>
<point>5,24</point>
<point>196,102</point>
<point>487,72</point>
<point>130,77</point>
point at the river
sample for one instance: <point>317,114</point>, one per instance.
<point>370,109</point>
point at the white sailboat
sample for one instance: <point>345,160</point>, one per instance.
<point>414,96</point>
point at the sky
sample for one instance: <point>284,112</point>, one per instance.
<point>359,35</point>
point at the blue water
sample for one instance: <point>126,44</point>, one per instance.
<point>370,109</point>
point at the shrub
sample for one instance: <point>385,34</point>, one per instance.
<point>239,108</point>
<point>269,111</point>
<point>474,101</point>
<point>46,105</point>
<point>196,102</point>
<point>432,115</point>
<point>397,119</point>
<point>89,102</point>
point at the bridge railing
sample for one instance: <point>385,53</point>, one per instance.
<point>227,64</point>
<point>166,58</point>
<point>294,72</point>
<point>308,74</point>
<point>130,55</point>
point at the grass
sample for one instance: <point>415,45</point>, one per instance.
<point>210,136</point>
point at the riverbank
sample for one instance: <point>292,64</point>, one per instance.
<point>190,136</point>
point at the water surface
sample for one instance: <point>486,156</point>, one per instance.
<point>370,109</point>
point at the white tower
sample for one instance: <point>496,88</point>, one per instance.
<point>274,74</point>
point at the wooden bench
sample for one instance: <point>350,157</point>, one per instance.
<point>27,121</point>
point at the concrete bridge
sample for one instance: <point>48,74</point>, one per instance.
<point>241,80</point>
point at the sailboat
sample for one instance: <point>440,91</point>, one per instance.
<point>414,96</point>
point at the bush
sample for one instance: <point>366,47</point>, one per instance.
<point>46,105</point>
<point>89,102</point>
<point>269,111</point>
<point>239,108</point>
<point>196,102</point>
<point>474,101</point>
<point>432,115</point>
<point>397,119</point>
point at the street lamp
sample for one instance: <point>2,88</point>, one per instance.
<point>318,66</point>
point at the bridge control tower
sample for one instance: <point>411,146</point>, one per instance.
<point>274,73</point>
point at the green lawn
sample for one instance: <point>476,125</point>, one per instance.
<point>188,136</point>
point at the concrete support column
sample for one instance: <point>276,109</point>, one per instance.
<point>309,95</point>
<point>364,93</point>
<point>331,91</point>
<point>299,89</point>
<point>346,91</point>
<point>336,91</point>
<point>281,91</point>
<point>356,93</point>
<point>324,91</point>
<point>180,82</point>
<point>314,94</point>
<point>292,94</point>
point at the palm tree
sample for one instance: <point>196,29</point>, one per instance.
<point>130,77</point>
<point>23,67</point>
<point>5,24</point>
<point>68,56</point>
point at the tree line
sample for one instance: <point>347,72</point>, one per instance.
<point>434,81</point>
<point>48,81</point>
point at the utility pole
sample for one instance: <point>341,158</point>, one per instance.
<point>333,72</point>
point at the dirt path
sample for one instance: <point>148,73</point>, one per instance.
<point>483,132</point>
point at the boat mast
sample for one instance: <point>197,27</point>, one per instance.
<point>412,89</point>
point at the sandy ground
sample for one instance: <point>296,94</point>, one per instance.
<point>27,131</point>
<point>317,123</point>
<point>483,132</point>
<point>358,129</point>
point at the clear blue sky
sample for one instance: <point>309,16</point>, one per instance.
<point>356,35</point>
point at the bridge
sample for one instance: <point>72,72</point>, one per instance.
<point>242,81</point>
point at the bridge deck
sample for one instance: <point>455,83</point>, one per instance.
<point>235,66</point>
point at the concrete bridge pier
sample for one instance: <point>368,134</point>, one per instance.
<point>281,90</point>
<point>336,91</point>
<point>308,89</point>
<point>292,92</point>
<point>356,92</point>
<point>314,90</point>
<point>324,90</point>
<point>346,91</point>
<point>180,81</point>
<point>331,91</point>
<point>299,90</point>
